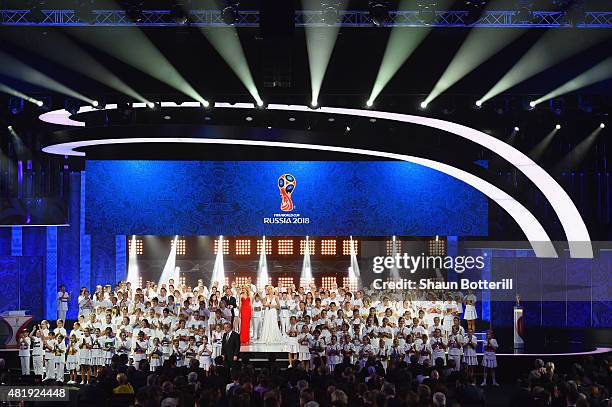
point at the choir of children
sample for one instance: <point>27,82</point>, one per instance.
<point>152,323</point>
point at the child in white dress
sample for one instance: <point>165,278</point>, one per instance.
<point>469,351</point>
<point>50,345</point>
<point>304,340</point>
<point>72,362</point>
<point>293,347</point>
<point>155,354</point>
<point>85,346</point>
<point>470,314</point>
<point>205,354</point>
<point>455,347</point>
<point>333,353</point>
<point>489,360</point>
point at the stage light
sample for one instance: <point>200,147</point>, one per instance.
<point>378,12</point>
<point>346,247</point>
<point>402,43</point>
<point>229,14</point>
<point>532,104</point>
<point>9,128</point>
<point>347,129</point>
<point>181,246</point>
<point>331,119</point>
<point>268,244</point>
<point>285,282</point>
<point>597,73</point>
<point>558,127</point>
<point>292,119</point>
<point>437,247</point>
<point>393,246</point>
<point>478,47</point>
<point>533,62</point>
<point>369,103</point>
<point>285,247</point>
<point>225,244</point>
<point>151,105</point>
<point>39,103</point>
<point>423,105</point>
<point>137,50</point>
<point>205,103</point>
<point>241,281</point>
<point>139,246</point>
<point>260,103</point>
<point>16,69</point>
<point>350,283</point>
<point>95,103</point>
<point>320,43</point>
<point>313,104</point>
<point>178,15</point>
<point>328,283</point>
<point>248,119</point>
<point>516,128</point>
<point>243,247</point>
<point>538,151</point>
<point>479,103</point>
<point>602,126</point>
<point>311,246</point>
<point>328,247</point>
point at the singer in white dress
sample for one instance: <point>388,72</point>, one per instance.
<point>270,333</point>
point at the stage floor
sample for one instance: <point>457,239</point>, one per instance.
<point>264,348</point>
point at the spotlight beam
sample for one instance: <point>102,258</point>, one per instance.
<point>480,45</point>
<point>402,43</point>
<point>16,93</point>
<point>545,53</point>
<point>170,267</point>
<point>13,67</point>
<point>320,43</point>
<point>262,266</point>
<point>226,42</point>
<point>132,273</point>
<point>577,155</point>
<point>597,73</point>
<point>537,152</point>
<point>135,49</point>
<point>63,51</point>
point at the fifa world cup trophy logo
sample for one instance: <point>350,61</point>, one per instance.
<point>286,185</point>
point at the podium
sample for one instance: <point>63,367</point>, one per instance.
<point>15,321</point>
<point>519,328</point>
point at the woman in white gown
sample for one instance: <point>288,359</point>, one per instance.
<point>270,333</point>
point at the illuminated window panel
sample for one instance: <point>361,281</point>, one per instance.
<point>261,283</point>
<point>182,281</point>
<point>181,246</point>
<point>350,283</point>
<point>437,247</point>
<point>311,247</point>
<point>285,246</point>
<point>328,247</point>
<point>243,247</point>
<point>225,246</point>
<point>268,246</point>
<point>306,282</point>
<point>139,282</point>
<point>328,283</point>
<point>346,247</point>
<point>241,281</point>
<point>139,246</point>
<point>285,282</point>
<point>389,246</point>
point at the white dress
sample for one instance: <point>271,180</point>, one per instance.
<point>270,333</point>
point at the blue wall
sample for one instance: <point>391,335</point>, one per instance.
<point>222,198</point>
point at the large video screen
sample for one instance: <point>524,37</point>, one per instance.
<point>279,198</point>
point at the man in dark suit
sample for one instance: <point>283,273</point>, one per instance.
<point>230,301</point>
<point>230,347</point>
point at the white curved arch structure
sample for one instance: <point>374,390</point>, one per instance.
<point>573,225</point>
<point>533,230</point>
